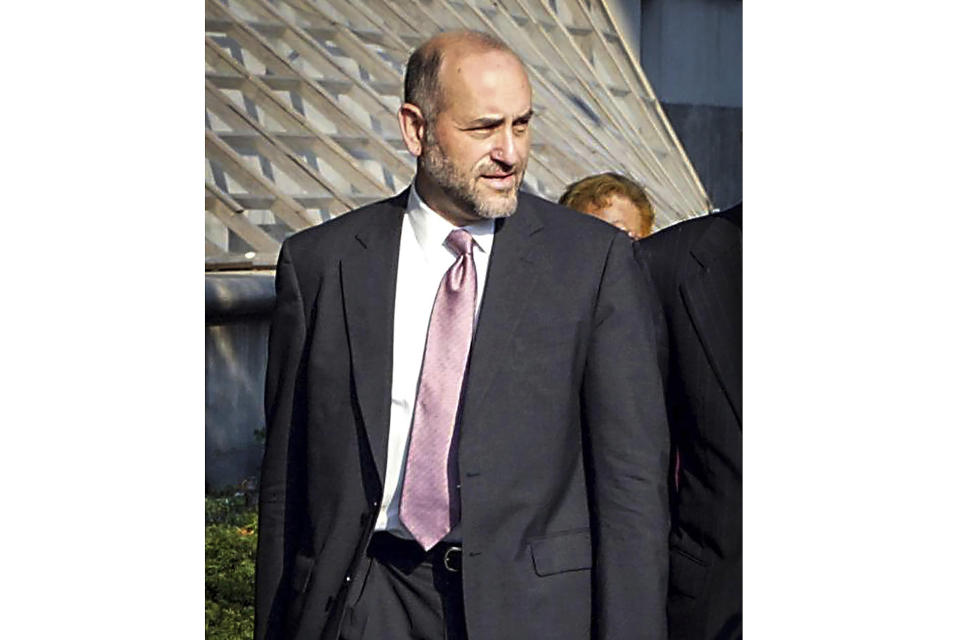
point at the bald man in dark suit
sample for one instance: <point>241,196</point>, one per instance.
<point>409,343</point>
<point>696,266</point>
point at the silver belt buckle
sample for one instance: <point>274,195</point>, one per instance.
<point>447,556</point>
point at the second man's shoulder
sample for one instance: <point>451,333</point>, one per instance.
<point>688,232</point>
<point>669,251</point>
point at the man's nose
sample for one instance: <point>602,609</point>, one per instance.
<point>505,148</point>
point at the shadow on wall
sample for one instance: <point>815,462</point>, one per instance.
<point>692,53</point>
<point>237,326</point>
<point>713,141</point>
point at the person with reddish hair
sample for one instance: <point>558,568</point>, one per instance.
<point>615,199</point>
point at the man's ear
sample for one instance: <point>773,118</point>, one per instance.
<point>413,127</point>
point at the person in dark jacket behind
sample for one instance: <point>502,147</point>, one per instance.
<point>696,267</point>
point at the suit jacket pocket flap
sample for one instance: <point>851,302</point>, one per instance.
<point>302,568</point>
<point>563,552</point>
<point>687,573</point>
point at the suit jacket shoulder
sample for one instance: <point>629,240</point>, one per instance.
<point>315,250</point>
<point>318,242</point>
<point>566,218</point>
<point>567,230</point>
<point>703,239</point>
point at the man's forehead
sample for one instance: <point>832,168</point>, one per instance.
<point>467,58</point>
<point>484,80</point>
<point>621,205</point>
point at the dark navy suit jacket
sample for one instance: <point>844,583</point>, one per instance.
<point>696,267</point>
<point>563,442</point>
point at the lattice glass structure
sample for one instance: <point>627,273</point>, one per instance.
<point>302,95</point>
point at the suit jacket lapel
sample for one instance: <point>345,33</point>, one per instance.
<point>368,275</point>
<point>709,291</point>
<point>510,280</point>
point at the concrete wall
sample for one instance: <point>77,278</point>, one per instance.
<point>627,14</point>
<point>237,326</point>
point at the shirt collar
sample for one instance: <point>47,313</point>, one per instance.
<point>431,229</point>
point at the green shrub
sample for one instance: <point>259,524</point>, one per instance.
<point>231,543</point>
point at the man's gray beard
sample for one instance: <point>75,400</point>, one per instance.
<point>462,190</point>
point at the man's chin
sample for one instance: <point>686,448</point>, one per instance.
<point>496,203</point>
<point>492,213</point>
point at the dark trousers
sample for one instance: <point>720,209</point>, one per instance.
<point>405,593</point>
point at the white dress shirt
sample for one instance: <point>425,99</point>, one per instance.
<point>423,262</point>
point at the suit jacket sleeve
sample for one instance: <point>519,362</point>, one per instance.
<point>626,448</point>
<point>280,484</point>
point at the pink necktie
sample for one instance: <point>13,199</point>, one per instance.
<point>425,503</point>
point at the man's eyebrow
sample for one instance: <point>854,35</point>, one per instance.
<point>493,121</point>
<point>484,122</point>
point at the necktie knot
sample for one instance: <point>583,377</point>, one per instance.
<point>460,241</point>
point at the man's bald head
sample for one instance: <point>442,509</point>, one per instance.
<point>421,84</point>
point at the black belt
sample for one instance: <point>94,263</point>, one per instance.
<point>407,554</point>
